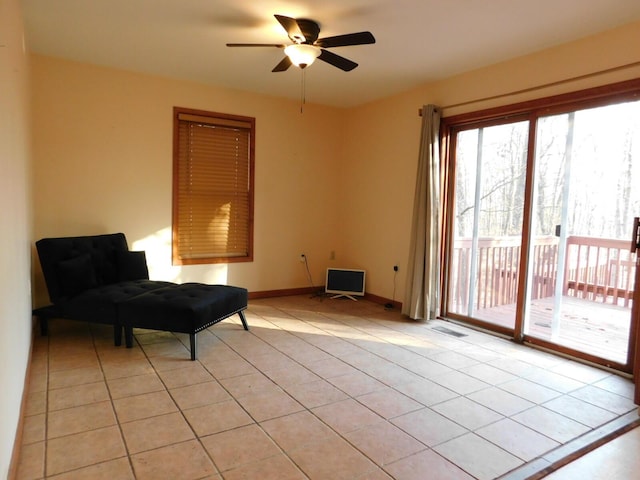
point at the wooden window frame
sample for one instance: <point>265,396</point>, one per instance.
<point>181,233</point>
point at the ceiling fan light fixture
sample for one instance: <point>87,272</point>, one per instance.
<point>302,55</point>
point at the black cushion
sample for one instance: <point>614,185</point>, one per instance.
<point>77,275</point>
<point>132,266</point>
<point>186,308</point>
<point>101,248</point>
<point>100,304</point>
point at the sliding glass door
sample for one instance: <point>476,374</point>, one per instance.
<point>580,288</point>
<point>539,220</point>
<point>490,174</point>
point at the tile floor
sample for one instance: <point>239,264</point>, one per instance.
<point>317,389</point>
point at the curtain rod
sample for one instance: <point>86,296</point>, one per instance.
<point>540,87</point>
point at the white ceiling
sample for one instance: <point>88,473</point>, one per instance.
<point>417,40</point>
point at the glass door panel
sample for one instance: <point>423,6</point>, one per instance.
<point>581,272</point>
<point>487,222</point>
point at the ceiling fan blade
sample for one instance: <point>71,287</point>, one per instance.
<point>291,27</point>
<point>277,45</point>
<point>337,61</point>
<point>360,38</point>
<point>284,64</point>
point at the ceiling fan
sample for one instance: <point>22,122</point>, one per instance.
<point>306,46</point>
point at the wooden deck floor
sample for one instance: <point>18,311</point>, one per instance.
<point>590,327</point>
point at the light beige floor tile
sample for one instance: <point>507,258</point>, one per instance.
<point>376,474</point>
<point>618,385</point>
<point>272,361</point>
<point>460,383</point>
<point>234,448</point>
<point>530,391</point>
<point>147,405</point>
<point>80,419</point>
<point>39,381</point>
<point>500,401</point>
<point>127,369</point>
<point>429,427</point>
<point>346,463</point>
<point>170,347</point>
<point>453,359</point>
<point>293,375</point>
<point>467,413</point>
<point>555,381</point>
<point>77,395</point>
<point>277,467</point>
<point>384,443</point>
<point>109,354</point>
<point>154,432</point>
<point>582,373</point>
<point>389,403</point>
<point>316,393</point>
<point>605,399</point>
<point>265,406</point>
<point>131,386</point>
<point>415,467</point>
<point>357,383</point>
<point>330,367</point>
<point>73,361</point>
<point>189,375</point>
<point>33,429</point>
<point>119,469</point>
<point>173,361</point>
<point>553,425</point>
<point>478,457</point>
<point>199,395</point>
<point>228,368</point>
<point>249,385</point>
<point>186,461</point>
<point>94,446</point>
<point>426,392</point>
<point>488,374</point>
<point>392,375</point>
<point>427,368</point>
<point>36,403</point>
<point>31,463</point>
<point>517,439</point>
<point>217,417</point>
<point>148,337</point>
<point>580,411</point>
<point>296,430</point>
<point>347,416</point>
<point>76,376</point>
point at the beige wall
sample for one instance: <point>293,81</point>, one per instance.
<point>103,163</point>
<point>326,180</point>
<point>15,224</point>
<point>381,153</point>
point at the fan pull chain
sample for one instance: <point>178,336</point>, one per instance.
<point>303,87</point>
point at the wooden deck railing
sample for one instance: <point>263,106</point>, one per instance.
<point>595,269</point>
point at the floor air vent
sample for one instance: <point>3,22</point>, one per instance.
<point>448,331</point>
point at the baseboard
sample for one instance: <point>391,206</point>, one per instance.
<point>17,443</point>
<point>388,303</point>
<point>287,292</point>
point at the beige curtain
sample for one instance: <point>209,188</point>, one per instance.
<point>422,293</point>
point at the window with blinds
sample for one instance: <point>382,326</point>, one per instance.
<point>212,187</point>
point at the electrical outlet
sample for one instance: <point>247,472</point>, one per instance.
<point>302,258</point>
